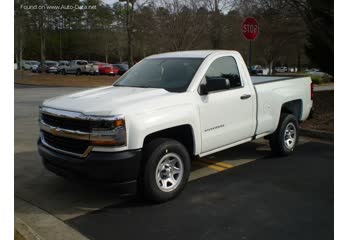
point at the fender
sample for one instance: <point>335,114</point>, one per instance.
<point>142,125</point>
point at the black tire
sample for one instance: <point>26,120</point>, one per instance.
<point>155,151</point>
<point>278,139</point>
<point>78,72</point>
<point>64,72</point>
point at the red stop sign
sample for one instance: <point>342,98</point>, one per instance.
<point>250,28</point>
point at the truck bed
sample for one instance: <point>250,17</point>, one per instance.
<point>273,91</point>
<point>271,78</point>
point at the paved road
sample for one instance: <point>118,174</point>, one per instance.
<point>271,198</point>
<point>325,87</point>
<point>241,192</point>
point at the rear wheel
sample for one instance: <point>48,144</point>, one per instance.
<point>285,138</point>
<point>166,170</point>
<point>78,72</point>
<point>64,72</point>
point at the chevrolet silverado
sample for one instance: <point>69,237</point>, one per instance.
<point>164,112</point>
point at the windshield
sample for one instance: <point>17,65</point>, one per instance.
<point>51,64</point>
<point>122,66</point>
<point>171,74</point>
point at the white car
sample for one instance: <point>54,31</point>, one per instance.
<point>166,111</point>
<point>281,69</point>
<point>92,68</point>
<point>51,66</point>
<point>75,67</point>
<point>29,64</point>
<point>61,65</point>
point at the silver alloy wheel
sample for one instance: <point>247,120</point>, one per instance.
<point>169,172</point>
<point>290,135</point>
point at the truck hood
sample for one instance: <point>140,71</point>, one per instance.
<point>111,100</point>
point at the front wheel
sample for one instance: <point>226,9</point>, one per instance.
<point>285,138</point>
<point>166,170</point>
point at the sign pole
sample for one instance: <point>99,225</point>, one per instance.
<point>250,55</point>
<point>250,30</point>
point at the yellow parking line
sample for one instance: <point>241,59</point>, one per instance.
<point>221,164</point>
<point>212,166</point>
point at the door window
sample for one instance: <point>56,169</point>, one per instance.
<point>225,67</point>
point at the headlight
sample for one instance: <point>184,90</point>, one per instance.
<point>109,132</point>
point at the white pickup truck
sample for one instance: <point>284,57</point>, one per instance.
<point>166,111</point>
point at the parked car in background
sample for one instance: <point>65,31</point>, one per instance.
<point>281,69</point>
<point>92,67</point>
<point>35,68</point>
<point>107,69</point>
<point>75,67</point>
<point>122,68</point>
<point>29,64</point>
<point>312,70</point>
<point>256,70</point>
<point>62,64</point>
<point>48,66</point>
<point>51,67</point>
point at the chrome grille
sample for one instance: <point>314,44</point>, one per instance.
<point>66,123</point>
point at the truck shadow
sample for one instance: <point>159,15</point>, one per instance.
<point>68,199</point>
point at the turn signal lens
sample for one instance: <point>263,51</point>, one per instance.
<point>119,123</point>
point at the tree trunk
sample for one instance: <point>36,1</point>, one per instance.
<point>42,47</point>
<point>216,27</point>
<point>298,61</point>
<point>20,51</point>
<point>129,28</point>
<point>270,68</point>
<point>106,52</point>
<point>120,54</point>
<point>130,48</point>
<point>20,47</point>
<point>42,43</point>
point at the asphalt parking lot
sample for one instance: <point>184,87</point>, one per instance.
<point>241,193</point>
<point>271,198</point>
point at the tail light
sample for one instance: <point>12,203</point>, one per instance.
<point>312,91</point>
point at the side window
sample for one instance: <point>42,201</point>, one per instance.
<point>225,67</point>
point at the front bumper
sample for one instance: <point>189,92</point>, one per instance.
<point>115,167</point>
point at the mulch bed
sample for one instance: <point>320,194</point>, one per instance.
<point>323,117</point>
<point>59,80</point>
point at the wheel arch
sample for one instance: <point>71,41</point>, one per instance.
<point>294,107</point>
<point>182,133</point>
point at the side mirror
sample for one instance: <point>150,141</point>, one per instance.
<point>214,84</point>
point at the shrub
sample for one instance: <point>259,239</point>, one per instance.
<point>317,79</point>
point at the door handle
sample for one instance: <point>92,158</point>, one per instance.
<point>245,96</point>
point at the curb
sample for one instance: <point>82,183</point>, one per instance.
<point>34,223</point>
<point>324,135</point>
<point>25,231</point>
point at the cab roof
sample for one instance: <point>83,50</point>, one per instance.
<point>188,54</point>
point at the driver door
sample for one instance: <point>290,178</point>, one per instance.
<point>226,115</point>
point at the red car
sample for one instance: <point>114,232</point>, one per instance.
<point>107,69</point>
